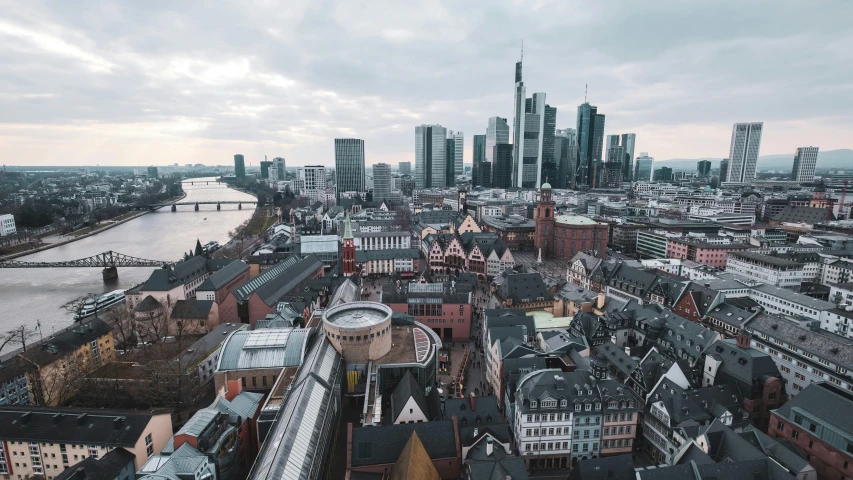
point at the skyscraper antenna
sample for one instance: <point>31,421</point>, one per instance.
<point>585,88</point>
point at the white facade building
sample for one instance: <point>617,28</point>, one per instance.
<point>771,269</point>
<point>458,150</point>
<point>743,152</point>
<point>805,161</point>
<point>310,181</point>
<point>7,225</point>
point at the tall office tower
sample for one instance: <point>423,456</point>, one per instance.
<point>484,172</point>
<point>612,141</point>
<point>278,162</point>
<point>549,169</point>
<point>382,185</point>
<point>405,168</point>
<point>518,126</point>
<point>459,153</point>
<point>430,156</point>
<point>309,181</point>
<point>502,166</point>
<point>479,149</point>
<point>152,172</point>
<point>565,156</point>
<point>743,153</point>
<point>703,168</point>
<point>273,172</point>
<point>265,169</point>
<point>643,168</point>
<point>590,128</point>
<point>455,150</point>
<point>724,170</point>
<point>479,156</point>
<point>239,166</point>
<point>527,169</point>
<point>497,133</point>
<point>805,161</point>
<point>629,140</point>
<point>349,165</point>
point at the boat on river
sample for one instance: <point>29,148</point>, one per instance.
<point>99,304</point>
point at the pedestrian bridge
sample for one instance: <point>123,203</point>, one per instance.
<point>175,205</point>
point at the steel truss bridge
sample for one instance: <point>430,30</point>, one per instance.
<point>218,204</point>
<point>108,261</point>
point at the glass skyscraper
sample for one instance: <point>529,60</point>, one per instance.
<point>565,156</point>
<point>502,166</point>
<point>643,168</point>
<point>349,165</point>
<point>278,163</point>
<point>590,128</point>
<point>497,133</point>
<point>381,181</point>
<point>479,149</point>
<point>430,156</point>
<point>239,166</point>
<point>805,161</point>
<point>743,153</point>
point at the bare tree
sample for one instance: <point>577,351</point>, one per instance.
<point>124,327</point>
<point>76,306</point>
<point>18,336</point>
<point>56,382</point>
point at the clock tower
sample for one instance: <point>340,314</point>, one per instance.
<point>543,216</point>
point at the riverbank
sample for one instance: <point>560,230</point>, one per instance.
<point>76,237</point>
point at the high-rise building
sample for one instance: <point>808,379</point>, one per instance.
<point>455,145</point>
<point>239,166</point>
<point>629,140</point>
<point>349,165</point>
<point>703,168</point>
<point>405,168</point>
<point>805,161</point>
<point>278,162</point>
<point>549,169</point>
<point>381,181</point>
<point>484,174</point>
<point>430,156</point>
<point>565,156</point>
<point>496,133</point>
<point>502,167</point>
<point>152,172</point>
<point>743,153</point>
<point>663,174</point>
<point>310,180</point>
<point>479,152</point>
<point>265,169</point>
<point>458,153</point>
<point>273,172</point>
<point>724,170</point>
<point>590,128</point>
<point>643,168</point>
<point>518,125</point>
<point>407,184</point>
<point>612,175</point>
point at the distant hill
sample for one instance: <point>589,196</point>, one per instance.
<point>842,158</point>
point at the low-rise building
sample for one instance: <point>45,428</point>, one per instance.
<point>117,464</point>
<point>405,262</point>
<point>621,414</point>
<point>445,307</point>
<point>818,423</point>
<point>7,225</point>
<point>772,269</point>
<point>44,441</point>
<point>516,231</point>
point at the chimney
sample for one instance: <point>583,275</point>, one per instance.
<point>473,402</point>
<point>232,389</point>
<point>743,339</point>
<point>489,446</point>
<point>600,303</point>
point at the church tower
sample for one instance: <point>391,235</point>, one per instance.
<point>544,218</point>
<point>348,251</point>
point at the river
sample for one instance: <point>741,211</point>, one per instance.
<point>28,295</point>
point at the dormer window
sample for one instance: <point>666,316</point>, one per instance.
<point>533,404</point>
<point>563,402</point>
<point>588,407</point>
<point>597,406</point>
<point>577,407</point>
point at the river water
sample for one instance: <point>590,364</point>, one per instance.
<point>28,295</point>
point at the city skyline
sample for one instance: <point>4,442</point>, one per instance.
<point>77,91</point>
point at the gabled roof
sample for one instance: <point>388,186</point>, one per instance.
<point>406,389</point>
<point>801,214</point>
<point>101,427</point>
<point>244,291</point>
<point>382,445</point>
<point>617,467</point>
<point>523,287</point>
<point>107,467</point>
<point>787,457</point>
<point>414,462</point>
<point>223,276</point>
<point>275,288</point>
<point>742,365</point>
<point>499,465</point>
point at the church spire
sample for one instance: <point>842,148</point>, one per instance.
<point>347,228</point>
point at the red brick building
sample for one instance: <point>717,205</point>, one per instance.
<point>443,307</point>
<point>258,297</point>
<point>817,421</point>
<point>562,236</point>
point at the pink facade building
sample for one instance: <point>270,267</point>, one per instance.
<point>700,251</point>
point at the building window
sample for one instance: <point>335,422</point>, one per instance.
<point>149,445</point>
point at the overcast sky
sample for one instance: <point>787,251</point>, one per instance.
<point>157,82</point>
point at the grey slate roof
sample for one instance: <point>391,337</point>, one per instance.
<point>66,341</point>
<point>822,401</point>
<point>731,315</point>
<point>191,308</point>
<point>223,276</point>
<point>523,287</point>
<point>408,388</point>
<point>498,466</point>
<point>834,348</point>
<point>771,447</point>
<point>74,425</point>
<point>105,468</point>
<point>617,467</point>
<point>169,277</point>
<point>558,385</point>
<point>383,444</point>
<point>277,287</point>
<point>680,407</point>
<point>742,365</point>
<point>801,214</point>
<point>474,411</point>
